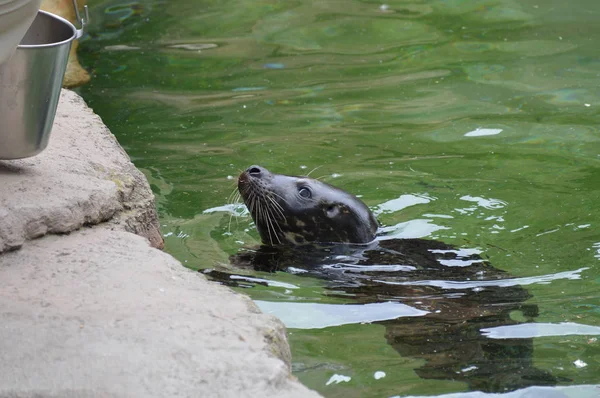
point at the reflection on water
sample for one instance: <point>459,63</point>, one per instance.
<point>541,330</point>
<point>316,316</point>
<point>446,306</point>
<point>473,123</point>
<point>584,391</point>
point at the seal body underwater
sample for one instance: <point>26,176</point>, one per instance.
<point>299,210</point>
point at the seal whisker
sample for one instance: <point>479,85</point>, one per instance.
<point>267,221</point>
<point>265,214</point>
<point>232,195</point>
<point>274,219</point>
<point>260,216</point>
<point>237,199</point>
<point>274,210</point>
<point>279,213</point>
<point>310,172</point>
<point>233,198</point>
<point>270,220</point>
<point>279,196</point>
<point>269,229</point>
<point>252,202</point>
<point>256,208</point>
<point>277,207</point>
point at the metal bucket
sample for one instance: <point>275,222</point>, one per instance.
<point>30,84</point>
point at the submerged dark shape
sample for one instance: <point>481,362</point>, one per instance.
<point>461,292</point>
<point>298,210</point>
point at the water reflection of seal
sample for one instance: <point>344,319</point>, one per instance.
<point>461,294</point>
<point>299,210</point>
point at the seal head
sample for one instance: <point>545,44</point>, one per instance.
<point>299,210</point>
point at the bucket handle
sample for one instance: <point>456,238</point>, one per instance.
<point>83,21</point>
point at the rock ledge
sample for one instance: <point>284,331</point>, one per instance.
<point>89,309</point>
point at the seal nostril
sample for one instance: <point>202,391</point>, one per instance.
<point>254,171</point>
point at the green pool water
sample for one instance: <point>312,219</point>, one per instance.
<point>482,116</point>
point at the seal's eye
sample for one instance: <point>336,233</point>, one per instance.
<point>304,192</point>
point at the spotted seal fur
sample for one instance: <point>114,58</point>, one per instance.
<point>300,210</point>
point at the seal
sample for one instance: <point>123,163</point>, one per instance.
<point>300,210</point>
<point>447,297</point>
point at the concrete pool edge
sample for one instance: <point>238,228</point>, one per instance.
<point>88,308</point>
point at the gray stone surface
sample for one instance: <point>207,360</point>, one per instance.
<point>100,313</point>
<point>89,309</point>
<point>83,178</point>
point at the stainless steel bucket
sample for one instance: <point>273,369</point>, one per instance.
<point>30,84</point>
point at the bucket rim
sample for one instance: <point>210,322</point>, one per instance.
<point>55,44</point>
